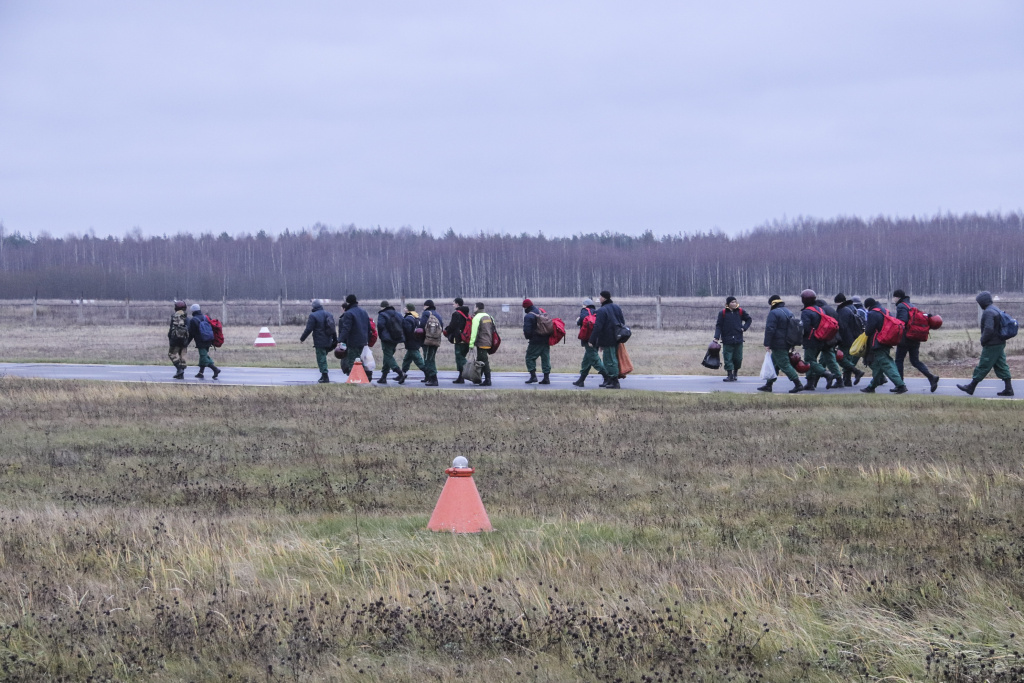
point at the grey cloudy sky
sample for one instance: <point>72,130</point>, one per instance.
<point>562,117</point>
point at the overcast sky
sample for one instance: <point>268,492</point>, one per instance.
<point>561,117</point>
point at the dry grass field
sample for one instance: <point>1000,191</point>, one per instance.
<point>950,353</point>
<point>161,532</point>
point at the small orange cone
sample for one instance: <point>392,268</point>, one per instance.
<point>459,509</point>
<point>357,375</point>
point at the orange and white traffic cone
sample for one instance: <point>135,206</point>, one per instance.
<point>357,375</point>
<point>459,510</point>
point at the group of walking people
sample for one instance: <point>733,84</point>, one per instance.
<point>835,338</point>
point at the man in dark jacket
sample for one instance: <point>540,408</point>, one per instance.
<point>609,317</point>
<point>456,326</point>
<point>775,329</point>
<point>203,347</point>
<point>591,359</point>
<point>993,348</point>
<point>413,341</point>
<point>353,333</point>
<point>321,325</point>
<point>878,354</point>
<point>391,334</point>
<point>810,318</point>
<point>907,346</point>
<point>733,321</point>
<point>431,344</point>
<point>850,327</point>
<point>537,345</point>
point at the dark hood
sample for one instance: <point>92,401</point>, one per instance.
<point>317,307</point>
<point>984,299</point>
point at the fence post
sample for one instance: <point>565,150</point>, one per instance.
<point>224,309</point>
<point>81,312</point>
<point>658,310</point>
<point>35,306</point>
<point>127,309</point>
<point>280,308</point>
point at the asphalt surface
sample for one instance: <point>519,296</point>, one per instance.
<point>268,377</point>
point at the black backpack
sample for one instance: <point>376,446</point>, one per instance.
<point>395,329</point>
<point>794,332</point>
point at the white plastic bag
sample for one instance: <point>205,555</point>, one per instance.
<point>369,365</point>
<point>768,368</point>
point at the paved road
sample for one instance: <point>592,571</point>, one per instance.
<point>502,380</point>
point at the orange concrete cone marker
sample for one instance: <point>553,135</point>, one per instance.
<point>357,375</point>
<point>459,509</point>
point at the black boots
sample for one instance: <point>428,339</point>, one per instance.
<point>459,380</point>
<point>847,382</point>
<point>546,380</point>
<point>324,379</point>
<point>369,376</point>
<point>901,389</point>
<point>181,371</point>
<point>858,374</point>
<point>199,375</point>
<point>613,383</point>
<point>831,381</point>
<point>487,379</point>
<point>869,389</point>
<point>1008,391</point>
<point>383,377</point>
<point>731,376</point>
<point>432,381</point>
<point>216,371</point>
<point>533,378</point>
<point>401,376</point>
<point>811,385</point>
<point>582,379</point>
<point>934,381</point>
<point>605,379</point>
<point>968,388</point>
<point>797,387</point>
<point>767,386</point>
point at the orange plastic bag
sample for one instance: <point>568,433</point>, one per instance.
<point>625,365</point>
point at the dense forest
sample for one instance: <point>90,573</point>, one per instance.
<point>944,254</point>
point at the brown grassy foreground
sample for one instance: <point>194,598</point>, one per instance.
<point>951,353</point>
<point>202,533</point>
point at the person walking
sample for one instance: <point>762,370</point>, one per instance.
<point>906,346</point>
<point>878,356</point>
<point>202,335</point>
<point>391,333</point>
<point>482,339</point>
<point>537,344</point>
<point>591,359</point>
<point>733,321</point>
<point>993,348</point>
<point>177,339</point>
<point>320,324</point>
<point>433,332</point>
<point>810,318</point>
<point>607,321</point>
<point>776,329</point>
<point>850,327</point>
<point>456,326</point>
<point>412,333</point>
<point>353,333</point>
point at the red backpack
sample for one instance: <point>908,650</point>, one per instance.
<point>557,332</point>
<point>892,329</point>
<point>827,329</point>
<point>218,332</point>
<point>467,331</point>
<point>587,326</point>
<point>917,324</point>
<point>373,334</point>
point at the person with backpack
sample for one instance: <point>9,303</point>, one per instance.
<point>454,332</point>
<point>177,339</point>
<point>353,333</point>
<point>907,312</point>
<point>858,307</point>
<point>200,331</point>
<point>733,321</point>
<point>391,333</point>
<point>433,332</point>
<point>482,339</point>
<point>851,326</point>
<point>412,333</point>
<point>607,322</point>
<point>781,333</point>
<point>812,322</point>
<point>591,360</point>
<point>321,325</point>
<point>878,357</point>
<point>537,330</point>
<point>996,328</point>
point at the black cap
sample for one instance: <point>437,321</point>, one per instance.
<point>870,302</point>
<point>899,294</point>
<point>840,298</point>
<point>351,300</point>
<point>729,300</point>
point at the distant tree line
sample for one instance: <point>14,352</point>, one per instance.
<point>944,254</point>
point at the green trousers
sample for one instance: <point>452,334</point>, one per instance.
<point>611,362</point>
<point>205,361</point>
<point>780,359</point>
<point>429,364</point>
<point>321,359</point>
<point>882,365</point>
<point>732,355</point>
<point>461,351</point>
<point>535,351</point>
<point>485,358</point>
<point>848,362</point>
<point>822,359</point>
<point>591,359</point>
<point>992,357</point>
<point>412,357</point>
<point>353,354</point>
<point>389,362</point>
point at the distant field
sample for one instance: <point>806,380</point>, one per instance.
<point>951,353</point>
<point>152,532</point>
